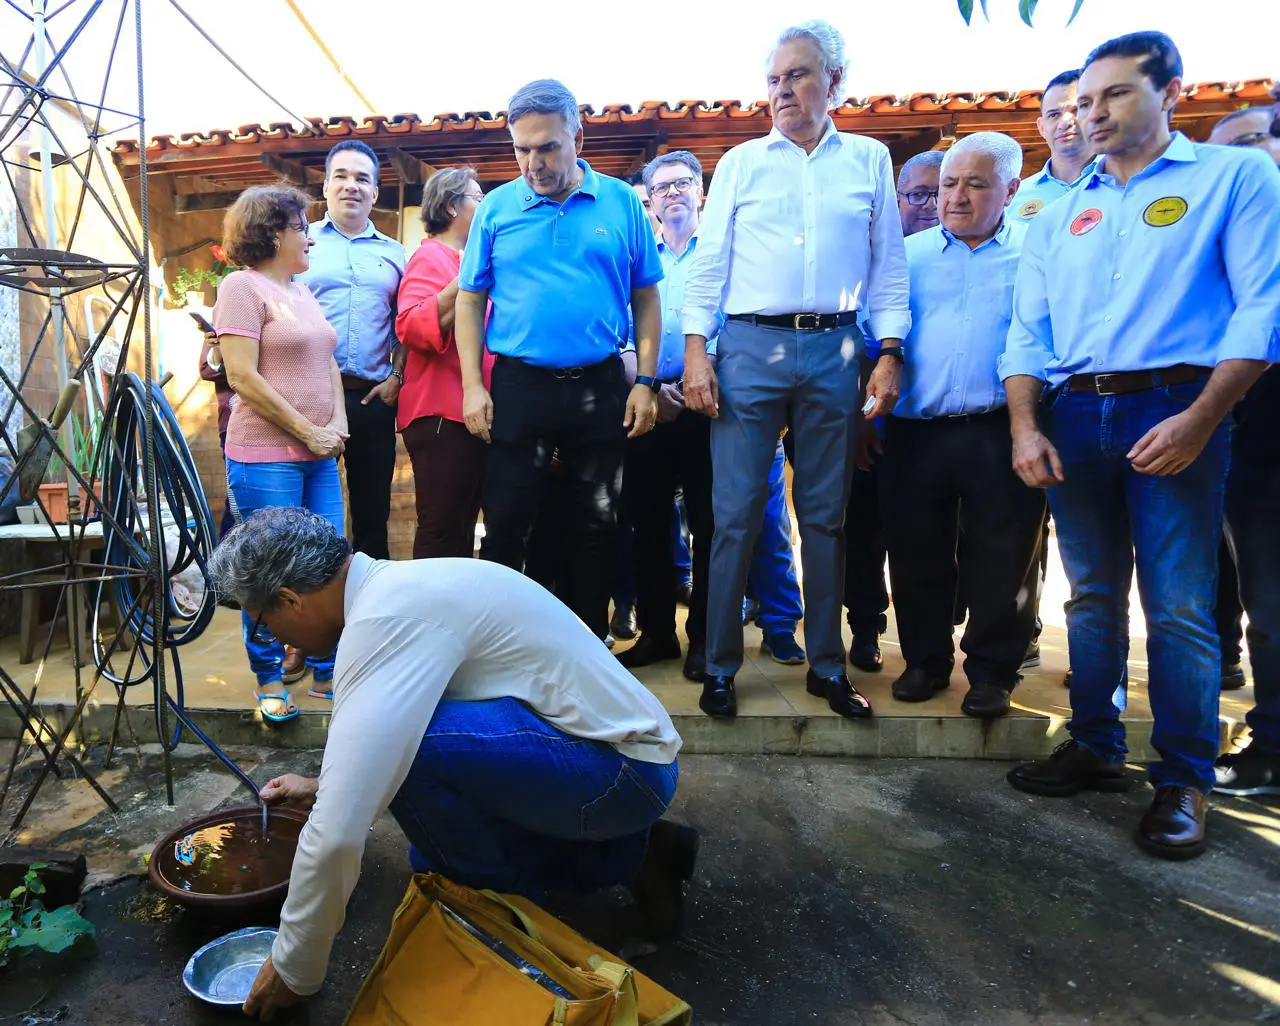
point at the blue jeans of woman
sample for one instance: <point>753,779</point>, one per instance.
<point>1111,518</point>
<point>499,798</point>
<point>310,484</point>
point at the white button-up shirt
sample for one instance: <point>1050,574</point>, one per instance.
<point>786,231</point>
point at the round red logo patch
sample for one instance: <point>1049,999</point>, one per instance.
<point>1086,221</point>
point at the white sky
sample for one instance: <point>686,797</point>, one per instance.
<point>430,58</point>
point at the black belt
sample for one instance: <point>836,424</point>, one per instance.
<point>800,321</point>
<point>1125,382</point>
<point>562,373</point>
<point>954,419</point>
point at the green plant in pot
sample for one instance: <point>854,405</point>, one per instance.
<point>201,279</point>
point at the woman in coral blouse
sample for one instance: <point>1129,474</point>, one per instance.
<point>448,460</point>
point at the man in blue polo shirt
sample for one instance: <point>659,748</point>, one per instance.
<point>562,252</point>
<point>1164,310</point>
<point>1069,150</point>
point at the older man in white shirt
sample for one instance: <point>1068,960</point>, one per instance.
<point>801,231</point>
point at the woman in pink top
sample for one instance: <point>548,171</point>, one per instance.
<point>289,417</point>
<point>448,461</point>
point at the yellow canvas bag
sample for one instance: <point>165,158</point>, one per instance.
<point>461,957</point>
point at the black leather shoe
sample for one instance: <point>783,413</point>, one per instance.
<point>1174,826</point>
<point>1066,679</point>
<point>623,624</point>
<point>840,694</point>
<point>1069,769</point>
<point>650,650</point>
<point>865,655</point>
<point>695,663</point>
<point>918,685</point>
<point>658,889</point>
<point>1232,677</point>
<point>985,701</point>
<point>718,699</point>
<point>1249,772</point>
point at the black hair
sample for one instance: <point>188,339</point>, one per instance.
<point>1064,78</point>
<point>1162,62</point>
<point>358,147</point>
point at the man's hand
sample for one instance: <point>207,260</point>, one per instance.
<point>670,403</point>
<point>290,787</point>
<point>701,389</point>
<point>388,390</point>
<point>868,448</point>
<point>642,411</point>
<point>1172,445</point>
<point>477,411</point>
<point>269,994</point>
<point>1036,460</point>
<point>885,386</point>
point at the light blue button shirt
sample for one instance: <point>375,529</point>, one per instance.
<point>1037,192</point>
<point>1179,266</point>
<point>560,274</point>
<point>671,290</point>
<point>355,281</point>
<point>961,304</point>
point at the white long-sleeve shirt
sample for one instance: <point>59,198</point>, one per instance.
<point>786,231</point>
<point>417,632</point>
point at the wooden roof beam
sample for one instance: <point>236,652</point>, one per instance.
<point>411,170</point>
<point>293,171</point>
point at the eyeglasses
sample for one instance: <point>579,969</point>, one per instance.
<point>1252,139</point>
<point>919,197</point>
<point>676,185</point>
<point>256,635</point>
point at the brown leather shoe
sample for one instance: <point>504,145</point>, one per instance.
<point>295,665</point>
<point>1069,769</point>
<point>1174,826</point>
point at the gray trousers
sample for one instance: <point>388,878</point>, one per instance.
<point>771,378</point>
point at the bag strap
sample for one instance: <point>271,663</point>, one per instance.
<point>530,927</point>
<point>623,979</point>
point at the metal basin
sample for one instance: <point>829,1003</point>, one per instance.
<point>223,971</point>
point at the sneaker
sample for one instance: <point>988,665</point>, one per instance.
<point>1248,772</point>
<point>783,648</point>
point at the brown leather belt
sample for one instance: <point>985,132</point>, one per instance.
<point>1126,382</point>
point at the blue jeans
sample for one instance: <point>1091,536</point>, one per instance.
<point>771,581</point>
<point>311,484</point>
<point>497,797</point>
<point>1109,517</point>
<point>680,554</point>
<point>1253,531</point>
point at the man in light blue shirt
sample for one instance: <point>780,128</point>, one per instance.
<point>1069,151</point>
<point>354,274</point>
<point>561,252</point>
<point>947,463</point>
<point>1164,310</point>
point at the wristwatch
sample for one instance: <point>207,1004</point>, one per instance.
<point>397,375</point>
<point>894,352</point>
<point>647,381</point>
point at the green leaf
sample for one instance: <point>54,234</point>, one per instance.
<point>966,10</point>
<point>58,931</point>
<point>1075,10</point>
<point>1026,9</point>
<point>17,893</point>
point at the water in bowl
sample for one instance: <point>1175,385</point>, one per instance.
<point>233,857</point>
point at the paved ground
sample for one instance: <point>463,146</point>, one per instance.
<point>829,891</point>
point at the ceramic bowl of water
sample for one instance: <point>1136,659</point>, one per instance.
<point>222,863</point>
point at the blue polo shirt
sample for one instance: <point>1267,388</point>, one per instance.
<point>1037,192</point>
<point>560,275</point>
<point>1178,266</point>
<point>961,303</point>
<point>355,282</point>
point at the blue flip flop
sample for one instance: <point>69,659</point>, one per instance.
<point>277,717</point>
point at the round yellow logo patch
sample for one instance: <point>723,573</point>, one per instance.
<point>1031,208</point>
<point>1165,211</point>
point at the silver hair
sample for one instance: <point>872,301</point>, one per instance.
<point>929,158</point>
<point>545,96</point>
<point>1004,151</point>
<point>830,43</point>
<point>683,157</point>
<point>280,547</point>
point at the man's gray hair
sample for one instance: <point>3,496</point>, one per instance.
<point>1004,151</point>
<point>545,96</point>
<point>683,157</point>
<point>830,43</point>
<point>929,158</point>
<point>280,547</point>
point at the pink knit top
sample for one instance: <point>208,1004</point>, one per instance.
<point>295,350</point>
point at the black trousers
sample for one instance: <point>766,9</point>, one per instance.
<point>939,477</point>
<point>577,412</point>
<point>673,455</point>
<point>865,596</point>
<point>370,462</point>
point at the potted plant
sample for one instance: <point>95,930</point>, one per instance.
<point>84,435</point>
<point>193,283</point>
<point>53,492</point>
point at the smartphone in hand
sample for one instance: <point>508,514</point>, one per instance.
<point>204,325</point>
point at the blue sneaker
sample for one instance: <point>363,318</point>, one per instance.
<point>783,648</point>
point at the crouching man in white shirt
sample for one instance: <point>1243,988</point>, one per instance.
<point>511,748</point>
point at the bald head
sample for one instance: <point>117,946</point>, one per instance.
<point>1248,127</point>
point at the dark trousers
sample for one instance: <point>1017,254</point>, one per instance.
<point>448,474</point>
<point>577,412</point>
<point>940,476</point>
<point>866,598</point>
<point>677,453</point>
<point>370,463</point>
